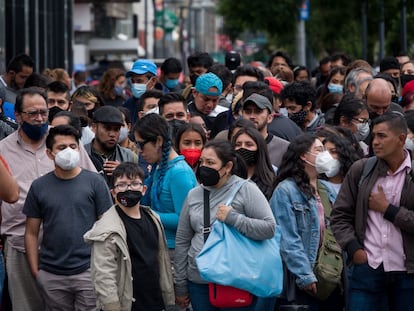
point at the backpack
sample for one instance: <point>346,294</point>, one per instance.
<point>369,166</point>
<point>329,264</point>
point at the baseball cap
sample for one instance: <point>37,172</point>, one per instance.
<point>108,114</point>
<point>260,101</point>
<point>142,66</point>
<point>274,84</point>
<point>207,81</point>
<point>232,60</point>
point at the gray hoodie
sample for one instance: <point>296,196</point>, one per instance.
<point>251,215</point>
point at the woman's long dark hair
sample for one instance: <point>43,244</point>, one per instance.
<point>226,153</point>
<point>264,175</point>
<point>293,166</point>
<point>150,127</point>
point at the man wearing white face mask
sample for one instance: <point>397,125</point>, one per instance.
<point>141,78</point>
<point>62,267</point>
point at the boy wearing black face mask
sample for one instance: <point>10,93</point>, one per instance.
<point>130,264</point>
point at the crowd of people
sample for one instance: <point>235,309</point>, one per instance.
<point>103,186</point>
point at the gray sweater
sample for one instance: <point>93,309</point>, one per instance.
<point>251,215</point>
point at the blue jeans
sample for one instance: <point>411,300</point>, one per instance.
<point>2,275</point>
<point>375,290</point>
<point>265,304</point>
<point>201,302</point>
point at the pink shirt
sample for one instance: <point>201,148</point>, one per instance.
<point>26,165</point>
<point>383,241</point>
<point>321,216</point>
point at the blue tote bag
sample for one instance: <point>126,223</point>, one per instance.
<point>230,258</point>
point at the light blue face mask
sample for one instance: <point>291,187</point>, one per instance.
<point>171,83</point>
<point>335,88</point>
<point>138,89</point>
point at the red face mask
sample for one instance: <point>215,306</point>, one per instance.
<point>191,155</point>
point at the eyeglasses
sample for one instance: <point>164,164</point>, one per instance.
<point>33,114</point>
<point>362,121</point>
<point>141,144</point>
<point>123,186</point>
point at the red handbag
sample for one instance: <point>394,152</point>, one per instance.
<point>228,297</point>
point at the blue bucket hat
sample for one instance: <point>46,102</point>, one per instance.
<point>207,81</point>
<point>141,67</point>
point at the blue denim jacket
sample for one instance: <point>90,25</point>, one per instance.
<point>297,216</point>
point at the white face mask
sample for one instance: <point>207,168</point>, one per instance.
<point>362,131</point>
<point>326,164</point>
<point>123,134</point>
<point>409,144</point>
<point>283,111</point>
<point>67,159</point>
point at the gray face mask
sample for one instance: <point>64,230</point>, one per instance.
<point>362,131</point>
<point>409,144</point>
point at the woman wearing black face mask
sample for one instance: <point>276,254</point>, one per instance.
<point>249,213</point>
<point>251,146</point>
<point>129,248</point>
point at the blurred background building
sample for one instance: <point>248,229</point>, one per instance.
<point>82,34</point>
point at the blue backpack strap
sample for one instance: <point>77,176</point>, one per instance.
<point>234,190</point>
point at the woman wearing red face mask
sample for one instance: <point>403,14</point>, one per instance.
<point>189,141</point>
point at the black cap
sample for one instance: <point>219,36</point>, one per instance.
<point>232,60</point>
<point>108,114</point>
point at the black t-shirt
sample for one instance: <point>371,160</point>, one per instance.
<point>142,240</point>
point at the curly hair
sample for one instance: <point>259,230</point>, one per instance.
<point>345,151</point>
<point>293,166</point>
<point>107,83</point>
<point>301,92</point>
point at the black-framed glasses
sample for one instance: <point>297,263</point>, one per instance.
<point>361,120</point>
<point>33,114</point>
<point>141,144</point>
<point>123,186</point>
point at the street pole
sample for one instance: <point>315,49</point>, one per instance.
<point>301,32</point>
<point>404,26</point>
<point>364,30</point>
<point>381,31</point>
<point>301,43</point>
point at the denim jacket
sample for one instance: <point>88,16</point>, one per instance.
<point>297,216</point>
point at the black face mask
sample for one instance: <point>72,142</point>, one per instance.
<point>175,125</point>
<point>250,157</point>
<point>373,115</point>
<point>405,79</point>
<point>54,111</point>
<point>208,176</point>
<point>395,99</point>
<point>193,79</point>
<point>129,198</point>
<point>90,113</point>
<point>298,117</point>
<point>396,82</point>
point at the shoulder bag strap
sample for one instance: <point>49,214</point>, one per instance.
<point>207,227</point>
<point>234,190</point>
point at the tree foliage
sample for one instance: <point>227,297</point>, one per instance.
<point>333,25</point>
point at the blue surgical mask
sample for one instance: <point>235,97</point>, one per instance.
<point>119,90</point>
<point>171,83</point>
<point>35,132</point>
<point>138,89</point>
<point>335,88</point>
